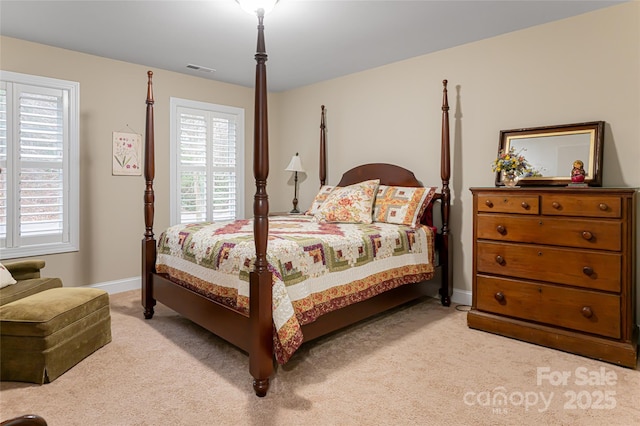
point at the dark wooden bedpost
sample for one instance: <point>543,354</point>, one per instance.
<point>148,242</point>
<point>260,279</point>
<point>446,286</point>
<point>323,149</point>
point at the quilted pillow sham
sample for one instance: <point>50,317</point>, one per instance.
<point>401,205</point>
<point>321,197</point>
<point>349,204</point>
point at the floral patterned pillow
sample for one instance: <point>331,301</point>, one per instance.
<point>349,204</point>
<point>401,205</point>
<point>321,197</point>
<point>5,277</point>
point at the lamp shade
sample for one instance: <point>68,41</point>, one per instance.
<point>295,165</point>
<point>252,6</point>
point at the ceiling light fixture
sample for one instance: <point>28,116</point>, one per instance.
<point>252,6</point>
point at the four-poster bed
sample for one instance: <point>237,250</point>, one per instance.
<point>254,317</point>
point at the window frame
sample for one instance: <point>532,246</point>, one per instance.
<point>174,197</point>
<point>70,168</point>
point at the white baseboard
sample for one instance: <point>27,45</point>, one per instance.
<point>119,286</point>
<point>458,297</point>
<point>461,297</point>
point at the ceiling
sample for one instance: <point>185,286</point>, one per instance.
<point>307,41</point>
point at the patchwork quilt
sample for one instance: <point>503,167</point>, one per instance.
<point>317,267</point>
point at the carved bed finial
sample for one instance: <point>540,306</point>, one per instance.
<point>323,148</point>
<point>150,87</point>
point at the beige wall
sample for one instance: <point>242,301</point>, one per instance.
<point>112,98</point>
<point>584,68</point>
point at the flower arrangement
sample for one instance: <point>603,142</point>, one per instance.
<point>512,162</point>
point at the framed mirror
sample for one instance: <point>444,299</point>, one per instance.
<point>552,150</point>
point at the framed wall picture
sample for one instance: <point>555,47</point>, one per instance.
<point>127,154</point>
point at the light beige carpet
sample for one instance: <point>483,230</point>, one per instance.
<point>417,365</point>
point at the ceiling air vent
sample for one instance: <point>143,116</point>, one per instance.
<point>200,68</point>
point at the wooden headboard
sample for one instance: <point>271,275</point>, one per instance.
<point>388,174</point>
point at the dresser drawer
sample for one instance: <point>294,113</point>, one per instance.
<point>509,203</point>
<point>583,310</point>
<point>580,268</point>
<point>581,233</point>
<point>585,206</point>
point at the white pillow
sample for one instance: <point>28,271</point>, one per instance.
<point>5,277</point>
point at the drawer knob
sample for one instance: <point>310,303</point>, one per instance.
<point>501,229</point>
<point>603,207</point>
<point>555,205</point>
<point>525,205</point>
<point>587,312</point>
<point>587,235</point>
<point>587,270</point>
<point>499,296</point>
<point>500,259</point>
<point>488,203</point>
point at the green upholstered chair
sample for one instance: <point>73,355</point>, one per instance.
<point>29,280</point>
<point>46,332</point>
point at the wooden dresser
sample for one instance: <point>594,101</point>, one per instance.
<point>555,267</point>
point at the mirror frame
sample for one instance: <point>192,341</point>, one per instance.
<point>595,129</point>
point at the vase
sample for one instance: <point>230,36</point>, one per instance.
<point>510,180</point>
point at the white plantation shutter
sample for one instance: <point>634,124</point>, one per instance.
<point>38,156</point>
<point>41,175</point>
<point>206,155</point>
<point>192,166</point>
<point>223,176</point>
<point>3,163</point>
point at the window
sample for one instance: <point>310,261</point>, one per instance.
<point>207,157</point>
<point>39,158</point>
